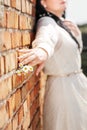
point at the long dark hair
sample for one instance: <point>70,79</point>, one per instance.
<point>39,10</point>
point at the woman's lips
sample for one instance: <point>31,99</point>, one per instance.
<point>63,2</point>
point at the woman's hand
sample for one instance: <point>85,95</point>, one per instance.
<point>73,27</point>
<point>33,57</point>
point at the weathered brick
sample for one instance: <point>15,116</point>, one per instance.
<point>27,6</point>
<point>5,87</point>
<point>10,62</point>
<point>6,40</point>
<point>24,91</point>
<point>13,3</point>
<point>21,99</point>
<point>26,38</point>
<point>7,2</point>
<point>23,5</point>
<point>10,19</point>
<point>32,24</point>
<point>25,108</point>
<point>1,39</point>
<point>9,126</point>
<point>16,20</point>
<point>28,101</point>
<point>35,120</point>
<point>3,116</point>
<point>11,105</point>
<point>30,7</point>
<point>15,122</point>
<point>20,115</point>
<point>29,23</point>
<point>16,81</point>
<point>18,4</point>
<point>2,16</point>
<point>26,122</point>
<point>32,111</point>
<point>32,96</point>
<point>1,65</point>
<point>17,98</point>
<point>16,39</point>
<point>23,22</point>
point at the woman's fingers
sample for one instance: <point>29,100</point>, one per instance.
<point>33,57</point>
<point>34,62</point>
<point>28,59</point>
<point>40,67</point>
<point>23,56</point>
<point>24,50</point>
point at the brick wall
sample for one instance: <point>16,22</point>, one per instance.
<point>19,95</point>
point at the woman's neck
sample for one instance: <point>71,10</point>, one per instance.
<point>57,13</point>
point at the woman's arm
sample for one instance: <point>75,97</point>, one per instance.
<point>43,45</point>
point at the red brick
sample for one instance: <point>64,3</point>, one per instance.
<point>10,62</point>
<point>29,22</point>
<point>17,98</point>
<point>30,7</point>
<point>11,105</point>
<point>13,3</point>
<point>16,20</point>
<point>36,90</point>
<point>15,122</point>
<point>3,116</point>
<point>36,102</point>
<point>5,88</point>
<point>16,39</point>
<point>1,39</point>
<point>21,105</point>
<point>32,111</point>
<point>20,115</point>
<point>6,40</point>
<point>30,85</point>
<point>32,23</point>
<point>35,121</point>
<point>26,38</point>
<point>19,128</point>
<point>25,107</point>
<point>3,19</point>
<point>9,126</point>
<point>32,96</point>
<point>23,5</point>
<point>26,122</point>
<point>28,101</point>
<point>18,4</point>
<point>24,91</point>
<point>23,22</point>
<point>27,6</point>
<point>10,19</point>
<point>1,65</point>
<point>7,2</point>
<point>16,81</point>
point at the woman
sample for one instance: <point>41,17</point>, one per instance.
<point>57,47</point>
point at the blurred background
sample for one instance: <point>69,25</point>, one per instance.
<point>76,12</point>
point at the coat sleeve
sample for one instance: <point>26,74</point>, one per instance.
<point>46,35</point>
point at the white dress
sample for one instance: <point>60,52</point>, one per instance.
<point>65,103</point>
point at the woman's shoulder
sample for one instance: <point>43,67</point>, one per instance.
<point>46,21</point>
